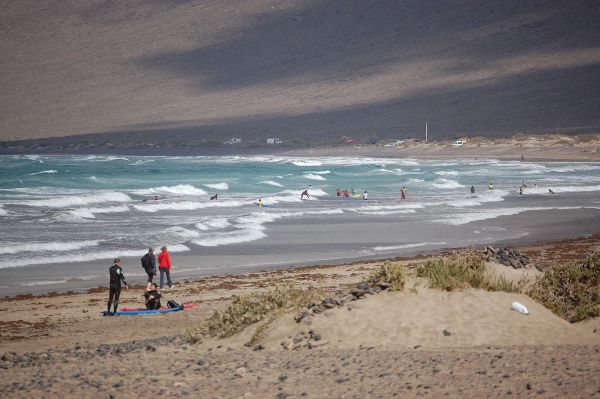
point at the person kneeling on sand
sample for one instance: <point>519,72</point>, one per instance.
<point>116,276</point>
<point>152,297</point>
<point>164,265</point>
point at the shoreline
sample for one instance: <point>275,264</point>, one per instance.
<point>527,228</point>
<point>534,148</point>
<point>590,239</point>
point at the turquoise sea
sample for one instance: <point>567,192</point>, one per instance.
<point>58,213</point>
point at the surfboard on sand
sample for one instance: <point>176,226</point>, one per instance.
<point>185,306</point>
<point>143,311</point>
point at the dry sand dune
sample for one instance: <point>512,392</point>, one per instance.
<point>473,318</point>
<point>188,71</point>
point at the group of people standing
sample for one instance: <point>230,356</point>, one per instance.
<point>149,263</point>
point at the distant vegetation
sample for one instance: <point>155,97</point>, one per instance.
<point>572,291</point>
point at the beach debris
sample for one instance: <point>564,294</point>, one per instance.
<point>519,307</point>
<point>507,257</point>
<point>447,332</point>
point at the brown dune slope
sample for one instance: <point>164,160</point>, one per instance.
<point>201,70</point>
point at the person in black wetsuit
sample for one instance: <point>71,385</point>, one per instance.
<point>149,265</point>
<point>116,276</point>
<point>152,297</point>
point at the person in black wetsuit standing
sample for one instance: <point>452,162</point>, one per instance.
<point>116,276</point>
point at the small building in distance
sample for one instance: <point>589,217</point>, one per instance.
<point>233,140</point>
<point>273,140</point>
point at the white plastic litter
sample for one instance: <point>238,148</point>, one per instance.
<point>519,307</point>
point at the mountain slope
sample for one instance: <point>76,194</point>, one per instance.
<point>298,70</point>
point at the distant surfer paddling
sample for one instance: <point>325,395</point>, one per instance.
<point>214,197</point>
<point>116,277</point>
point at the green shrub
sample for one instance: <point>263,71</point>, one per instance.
<point>457,271</point>
<point>463,270</point>
<point>572,291</point>
<point>391,273</point>
<point>252,308</point>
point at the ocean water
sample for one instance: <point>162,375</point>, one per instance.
<point>57,211</point>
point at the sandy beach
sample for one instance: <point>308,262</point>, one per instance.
<point>551,147</point>
<point>415,342</point>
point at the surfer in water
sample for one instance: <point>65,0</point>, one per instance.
<point>214,197</point>
<point>305,192</point>
<point>490,186</point>
<point>403,192</point>
<point>116,276</point>
<point>338,192</point>
<point>472,189</point>
<point>259,203</point>
<point>366,195</point>
<point>521,190</point>
<point>550,191</point>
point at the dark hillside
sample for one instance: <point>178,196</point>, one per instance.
<point>151,71</point>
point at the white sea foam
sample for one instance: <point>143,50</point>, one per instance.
<point>42,282</point>
<point>231,237</point>
<point>76,200</point>
<point>465,218</point>
<point>218,186</point>
<point>446,183</point>
<point>271,183</point>
<point>306,163</point>
<point>90,213</point>
<point>187,205</point>
<point>3,212</point>
<point>390,212</point>
<point>180,189</point>
<point>141,162</point>
<point>387,207</point>
<point>405,246</point>
<point>218,223</point>
<point>179,233</point>
<point>50,171</point>
<point>560,189</point>
<point>92,178</point>
<point>313,176</point>
<point>251,227</point>
<point>447,173</point>
<point>85,256</point>
<point>15,248</point>
<point>320,172</point>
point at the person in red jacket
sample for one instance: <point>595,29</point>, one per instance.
<point>164,265</point>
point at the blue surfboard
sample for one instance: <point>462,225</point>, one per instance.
<point>143,311</point>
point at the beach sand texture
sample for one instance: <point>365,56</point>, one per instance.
<point>388,344</point>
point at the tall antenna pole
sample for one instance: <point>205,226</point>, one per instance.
<point>426,131</point>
